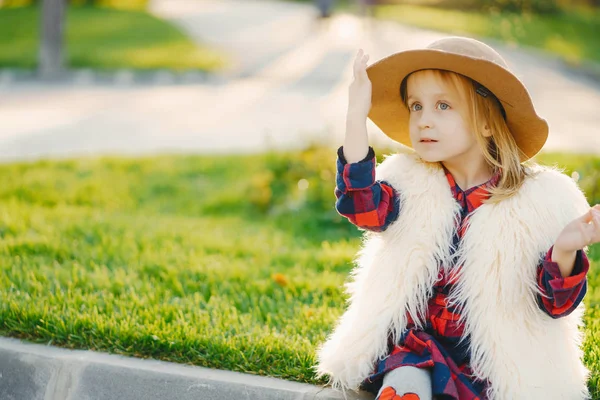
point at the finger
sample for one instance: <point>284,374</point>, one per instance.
<point>587,233</point>
<point>363,71</point>
<point>356,66</point>
<point>595,215</point>
<point>363,66</point>
<point>595,230</point>
<point>587,217</point>
<point>359,54</point>
<point>596,221</point>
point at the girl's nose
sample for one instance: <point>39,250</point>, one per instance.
<point>424,126</point>
<point>425,121</point>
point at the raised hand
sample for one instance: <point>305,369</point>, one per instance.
<point>580,232</point>
<point>359,93</point>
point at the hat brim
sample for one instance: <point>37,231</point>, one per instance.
<point>390,114</point>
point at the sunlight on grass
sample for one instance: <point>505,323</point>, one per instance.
<point>571,52</point>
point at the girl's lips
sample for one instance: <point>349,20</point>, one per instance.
<point>428,141</point>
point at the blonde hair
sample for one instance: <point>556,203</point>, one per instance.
<point>500,149</point>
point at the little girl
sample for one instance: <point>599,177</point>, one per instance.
<point>472,271</point>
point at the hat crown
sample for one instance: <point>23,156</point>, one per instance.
<point>470,48</point>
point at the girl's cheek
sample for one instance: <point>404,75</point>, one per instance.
<point>454,126</point>
<point>412,126</point>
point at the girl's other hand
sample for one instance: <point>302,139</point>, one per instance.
<point>581,232</point>
<point>359,96</point>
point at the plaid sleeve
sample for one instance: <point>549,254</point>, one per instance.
<point>562,295</point>
<point>367,203</point>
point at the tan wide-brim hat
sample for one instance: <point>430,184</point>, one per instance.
<point>465,56</point>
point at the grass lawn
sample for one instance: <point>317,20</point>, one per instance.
<point>226,262</point>
<point>572,35</point>
<point>104,38</point>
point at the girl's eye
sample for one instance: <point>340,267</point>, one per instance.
<point>415,107</point>
<point>443,106</point>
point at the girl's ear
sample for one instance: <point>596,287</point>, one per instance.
<point>486,131</point>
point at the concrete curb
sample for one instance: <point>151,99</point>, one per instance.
<point>38,372</point>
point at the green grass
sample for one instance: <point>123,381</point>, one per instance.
<point>224,262</point>
<point>104,38</point>
<point>572,35</point>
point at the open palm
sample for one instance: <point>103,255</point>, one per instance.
<point>581,232</point>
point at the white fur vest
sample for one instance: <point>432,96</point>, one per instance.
<point>523,352</point>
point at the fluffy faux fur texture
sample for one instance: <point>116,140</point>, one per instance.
<point>523,352</point>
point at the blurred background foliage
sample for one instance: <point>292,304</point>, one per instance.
<point>120,4</point>
<point>534,6</point>
<point>568,29</point>
<point>301,182</point>
<point>520,6</point>
<point>104,35</point>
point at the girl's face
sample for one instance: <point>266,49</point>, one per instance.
<point>438,130</point>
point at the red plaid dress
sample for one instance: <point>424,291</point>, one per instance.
<point>374,205</point>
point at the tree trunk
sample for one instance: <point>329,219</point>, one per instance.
<point>51,59</point>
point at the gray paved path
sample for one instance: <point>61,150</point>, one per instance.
<point>287,85</point>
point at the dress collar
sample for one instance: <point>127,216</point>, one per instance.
<point>473,197</point>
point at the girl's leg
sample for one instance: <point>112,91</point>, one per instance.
<point>406,383</point>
